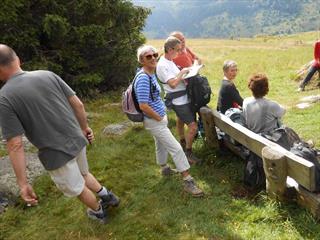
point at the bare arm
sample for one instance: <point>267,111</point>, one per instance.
<point>199,60</point>
<point>80,113</point>
<point>194,56</point>
<point>149,111</point>
<point>173,82</point>
<point>17,157</point>
<point>317,52</point>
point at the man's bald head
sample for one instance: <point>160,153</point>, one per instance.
<point>9,62</point>
<point>180,36</point>
<point>7,55</point>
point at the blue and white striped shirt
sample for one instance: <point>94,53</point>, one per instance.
<point>142,90</point>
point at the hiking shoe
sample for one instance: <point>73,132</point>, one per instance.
<point>300,89</point>
<point>192,159</point>
<point>100,215</point>
<point>191,187</point>
<point>168,171</point>
<point>109,200</point>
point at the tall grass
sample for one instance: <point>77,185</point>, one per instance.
<point>154,207</point>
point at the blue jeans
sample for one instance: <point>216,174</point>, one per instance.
<point>310,74</point>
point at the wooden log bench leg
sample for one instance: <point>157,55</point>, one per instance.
<point>275,168</point>
<point>211,138</point>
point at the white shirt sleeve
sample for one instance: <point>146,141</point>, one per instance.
<point>166,72</point>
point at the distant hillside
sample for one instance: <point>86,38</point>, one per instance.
<point>230,18</point>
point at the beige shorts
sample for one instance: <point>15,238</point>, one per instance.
<point>69,178</point>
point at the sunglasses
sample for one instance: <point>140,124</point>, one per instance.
<point>149,57</point>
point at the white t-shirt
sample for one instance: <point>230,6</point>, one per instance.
<point>167,70</point>
<point>261,115</point>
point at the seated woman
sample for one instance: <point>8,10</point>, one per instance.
<point>261,115</point>
<point>155,120</point>
<point>229,96</point>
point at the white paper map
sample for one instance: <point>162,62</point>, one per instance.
<point>194,70</point>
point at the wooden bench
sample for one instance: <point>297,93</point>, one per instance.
<point>279,164</point>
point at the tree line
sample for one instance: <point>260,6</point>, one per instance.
<point>231,18</point>
<point>90,43</point>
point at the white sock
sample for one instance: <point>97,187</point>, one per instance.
<point>164,166</point>
<point>187,178</point>
<point>102,192</point>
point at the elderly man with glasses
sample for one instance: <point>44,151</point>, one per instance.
<point>176,96</point>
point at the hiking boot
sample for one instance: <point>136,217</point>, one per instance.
<point>192,159</point>
<point>100,215</point>
<point>191,187</point>
<point>168,171</point>
<point>109,200</point>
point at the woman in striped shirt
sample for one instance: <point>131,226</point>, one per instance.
<point>147,92</point>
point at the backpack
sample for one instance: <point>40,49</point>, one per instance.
<point>130,105</point>
<point>236,115</point>
<point>302,149</point>
<point>254,176</point>
<point>284,136</point>
<point>198,91</point>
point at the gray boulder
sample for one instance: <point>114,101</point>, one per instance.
<point>8,184</point>
<point>120,128</point>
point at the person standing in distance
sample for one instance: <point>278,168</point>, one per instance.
<point>314,67</point>
<point>42,106</point>
<point>185,58</point>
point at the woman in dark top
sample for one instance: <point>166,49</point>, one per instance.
<point>229,96</point>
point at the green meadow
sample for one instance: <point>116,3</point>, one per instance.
<point>154,207</point>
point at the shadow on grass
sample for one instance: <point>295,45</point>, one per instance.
<point>289,215</point>
<point>155,207</point>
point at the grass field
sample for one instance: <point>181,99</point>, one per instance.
<point>154,207</point>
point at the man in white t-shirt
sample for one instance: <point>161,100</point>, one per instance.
<point>174,87</point>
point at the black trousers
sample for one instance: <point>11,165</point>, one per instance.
<point>310,74</point>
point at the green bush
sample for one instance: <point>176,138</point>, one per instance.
<point>90,43</point>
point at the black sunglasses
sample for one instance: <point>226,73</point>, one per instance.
<point>149,57</point>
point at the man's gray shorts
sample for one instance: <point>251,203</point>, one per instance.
<point>185,113</point>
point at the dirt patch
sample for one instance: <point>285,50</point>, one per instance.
<point>243,192</point>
